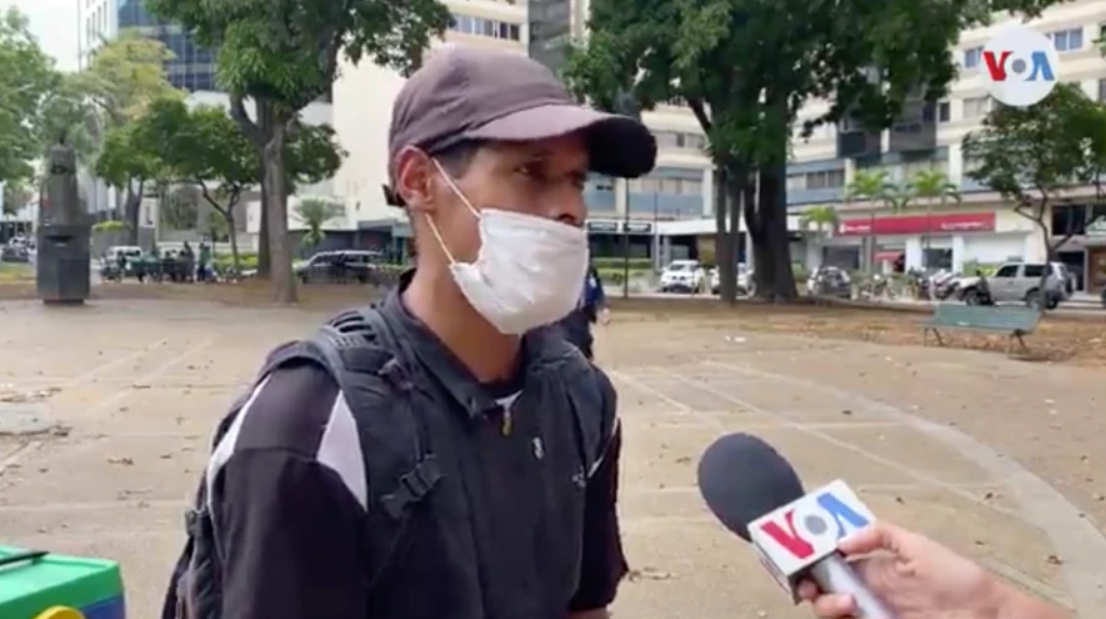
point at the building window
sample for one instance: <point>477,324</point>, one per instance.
<point>943,112</point>
<point>976,107</point>
<point>491,28</point>
<point>796,182</point>
<point>1067,40</point>
<point>972,57</point>
<point>828,179</point>
<point>691,186</point>
<point>667,185</point>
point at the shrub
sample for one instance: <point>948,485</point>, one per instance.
<point>109,226</point>
<point>636,264</point>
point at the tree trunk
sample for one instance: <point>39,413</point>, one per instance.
<point>235,260</point>
<point>724,249</point>
<point>282,281</point>
<point>777,282</point>
<point>263,260</point>
<point>132,210</point>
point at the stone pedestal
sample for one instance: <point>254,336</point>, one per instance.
<point>64,261</point>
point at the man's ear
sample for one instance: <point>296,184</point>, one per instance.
<point>414,179</point>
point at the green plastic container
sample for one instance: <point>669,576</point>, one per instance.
<point>43,581</point>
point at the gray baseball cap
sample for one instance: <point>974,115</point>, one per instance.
<point>470,93</point>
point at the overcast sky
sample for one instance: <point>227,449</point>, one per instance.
<point>54,23</point>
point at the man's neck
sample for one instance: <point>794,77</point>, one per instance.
<point>434,298</point>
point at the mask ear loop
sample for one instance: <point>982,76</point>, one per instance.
<point>461,196</point>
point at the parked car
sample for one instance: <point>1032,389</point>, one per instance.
<point>339,267</point>
<point>15,253</point>
<point>1018,282</point>
<point>683,276</point>
<point>744,280</point>
<point>829,281</point>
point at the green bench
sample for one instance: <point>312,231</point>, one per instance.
<point>1013,321</point>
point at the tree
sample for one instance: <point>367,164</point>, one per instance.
<point>130,160</point>
<point>746,68</point>
<point>285,55</point>
<point>822,219</point>
<point>932,186</point>
<point>316,214</point>
<point>203,148</point>
<point>68,114</point>
<point>875,188</point>
<point>26,76</point>
<point>1033,155</point>
<point>125,77</point>
<point>16,196</point>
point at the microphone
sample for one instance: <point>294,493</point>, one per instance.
<point>757,494</point>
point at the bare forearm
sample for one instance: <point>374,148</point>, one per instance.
<point>1011,603</point>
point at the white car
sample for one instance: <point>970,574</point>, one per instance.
<point>744,280</point>
<point>683,276</point>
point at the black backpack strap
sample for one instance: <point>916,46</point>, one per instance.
<point>401,466</point>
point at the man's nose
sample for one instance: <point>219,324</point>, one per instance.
<point>570,208</point>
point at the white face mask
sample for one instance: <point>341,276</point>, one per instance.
<point>529,270</point>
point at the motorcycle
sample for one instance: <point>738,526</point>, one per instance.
<point>944,284</point>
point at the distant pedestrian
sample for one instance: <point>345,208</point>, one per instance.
<point>591,309</point>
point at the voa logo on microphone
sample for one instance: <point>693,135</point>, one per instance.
<point>1019,66</point>
<point>798,535</point>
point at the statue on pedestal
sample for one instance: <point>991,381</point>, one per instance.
<point>64,261</point>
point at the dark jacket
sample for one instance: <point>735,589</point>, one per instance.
<point>577,325</point>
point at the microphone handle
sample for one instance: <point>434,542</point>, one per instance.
<point>834,575</point>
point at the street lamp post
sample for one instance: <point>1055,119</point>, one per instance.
<point>625,104</point>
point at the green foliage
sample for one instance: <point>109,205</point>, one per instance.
<point>315,214</point>
<point>819,218</point>
<point>312,155</point>
<point>870,186</point>
<point>934,185</point>
<point>1031,154</point>
<point>16,196</point>
<point>129,156</point>
<point>110,226</point>
<point>225,262</point>
<point>68,114</point>
<point>618,263</point>
<point>26,76</point>
<point>287,52</point>
<point>125,77</point>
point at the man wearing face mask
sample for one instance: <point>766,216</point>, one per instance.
<point>445,454</point>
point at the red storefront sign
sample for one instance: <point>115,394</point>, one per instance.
<point>919,224</point>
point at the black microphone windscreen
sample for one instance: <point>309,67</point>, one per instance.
<point>743,478</point>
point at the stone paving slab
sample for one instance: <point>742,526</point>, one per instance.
<point>143,383</point>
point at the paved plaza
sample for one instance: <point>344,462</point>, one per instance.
<point>112,405</point>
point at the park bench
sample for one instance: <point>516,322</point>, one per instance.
<point>1013,321</point>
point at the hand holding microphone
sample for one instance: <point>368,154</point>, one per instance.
<point>921,579</point>
<point>756,493</point>
<point>804,540</point>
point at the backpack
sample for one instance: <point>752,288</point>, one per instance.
<point>375,372</point>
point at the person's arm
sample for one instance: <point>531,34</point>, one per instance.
<point>289,531</point>
<point>603,564</point>
<point>1011,603</point>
